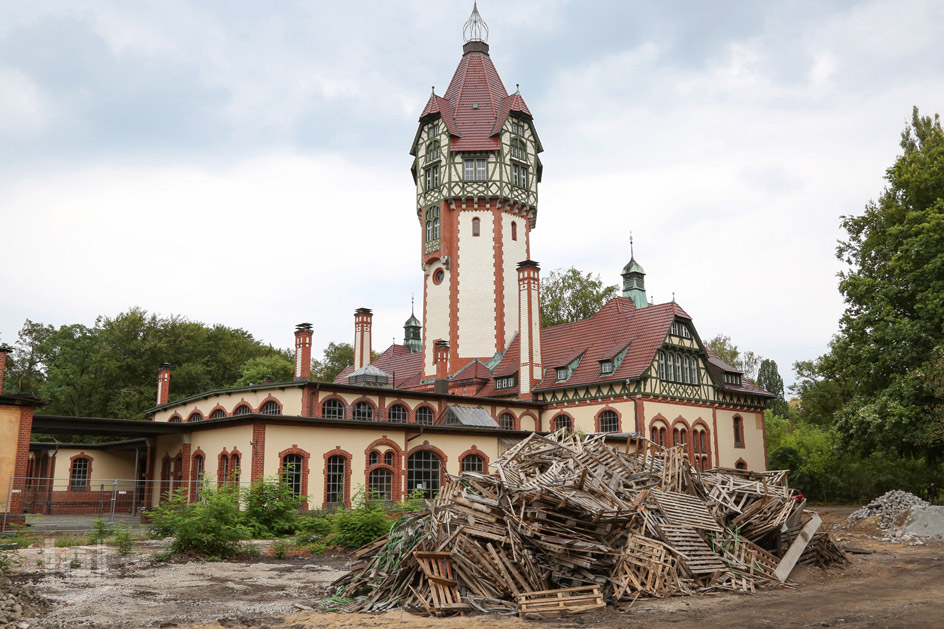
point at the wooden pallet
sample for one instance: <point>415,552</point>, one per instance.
<point>685,510</point>
<point>565,601</point>
<point>696,555</point>
<point>437,567</point>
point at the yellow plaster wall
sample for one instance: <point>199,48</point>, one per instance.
<point>585,416</point>
<point>212,442</point>
<point>291,400</point>
<point>107,466</point>
<point>753,450</point>
<point>10,429</point>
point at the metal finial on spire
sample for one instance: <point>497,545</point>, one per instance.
<point>475,28</point>
<point>412,304</point>
<point>631,254</point>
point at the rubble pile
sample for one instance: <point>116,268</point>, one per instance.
<point>20,605</point>
<point>887,508</point>
<point>568,523</point>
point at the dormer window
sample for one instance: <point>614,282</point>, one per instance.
<point>733,379</point>
<point>680,329</point>
<point>507,382</point>
<point>606,366</point>
<point>433,129</point>
<point>517,127</point>
<point>561,373</point>
<point>519,150</point>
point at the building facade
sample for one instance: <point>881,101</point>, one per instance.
<point>475,376</point>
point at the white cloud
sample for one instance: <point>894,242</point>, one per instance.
<point>25,109</point>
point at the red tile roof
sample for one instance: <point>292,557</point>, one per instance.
<point>404,367</point>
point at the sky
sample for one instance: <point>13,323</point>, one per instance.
<point>247,163</point>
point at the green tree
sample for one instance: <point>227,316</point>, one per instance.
<point>570,295</point>
<point>337,356</point>
<point>26,365</point>
<point>722,347</point>
<point>769,379</point>
<point>256,369</point>
<point>892,331</point>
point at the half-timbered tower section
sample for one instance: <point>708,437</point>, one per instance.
<point>476,169</point>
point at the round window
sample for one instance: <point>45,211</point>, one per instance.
<point>439,276</point>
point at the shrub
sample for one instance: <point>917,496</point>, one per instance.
<point>272,508</point>
<point>99,532</point>
<point>313,528</point>
<point>361,525</point>
<point>213,526</point>
<point>123,539</point>
<point>282,548</point>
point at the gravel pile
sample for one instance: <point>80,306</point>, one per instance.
<point>887,507</point>
<point>20,605</point>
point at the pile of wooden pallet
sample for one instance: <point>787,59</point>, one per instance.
<point>567,522</point>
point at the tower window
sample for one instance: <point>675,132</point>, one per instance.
<point>514,231</point>
<point>439,276</point>
<point>432,177</point>
<point>475,169</point>
<point>475,226</point>
<point>518,150</point>
<point>519,175</point>
<point>432,151</point>
<point>433,129</point>
<point>432,229</point>
<point>517,127</point>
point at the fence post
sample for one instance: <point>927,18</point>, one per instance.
<point>6,507</point>
<point>114,497</point>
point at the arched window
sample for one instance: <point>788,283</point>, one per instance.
<point>738,432</point>
<point>473,463</point>
<point>197,475</point>
<point>475,226</point>
<point>683,436</point>
<point>424,416</point>
<point>506,421</point>
<point>242,409</point>
<point>332,409</point>
<point>424,473</point>
<point>218,414</point>
<point>380,484</point>
<point>564,422</point>
<point>292,469</point>
<point>223,471</point>
<point>609,421</point>
<point>79,474</point>
<point>234,468</point>
<point>740,465</point>
<point>195,416</point>
<point>436,228</point>
<point>271,408</point>
<point>514,230</point>
<point>373,458</point>
<point>432,224</point>
<point>363,411</point>
<point>388,458</point>
<point>175,419</point>
<point>658,435</point>
<point>397,413</point>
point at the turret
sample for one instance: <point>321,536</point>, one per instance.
<point>634,280</point>
<point>412,334</point>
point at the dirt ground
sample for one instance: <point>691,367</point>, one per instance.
<point>893,585</point>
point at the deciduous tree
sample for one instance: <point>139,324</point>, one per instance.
<point>571,295</point>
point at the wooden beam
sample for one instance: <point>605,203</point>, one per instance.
<point>792,556</point>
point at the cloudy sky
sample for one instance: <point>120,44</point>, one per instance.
<point>247,163</point>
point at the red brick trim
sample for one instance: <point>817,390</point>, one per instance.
<point>192,414</point>
<point>474,450</point>
<point>557,416</point>
<point>305,468</point>
<point>619,418</point>
<point>515,422</point>
<point>346,410</point>
<point>714,422</point>
<point>443,459</point>
<point>347,474</point>
<point>703,425</point>
<point>498,227</point>
<point>222,456</point>
<point>234,468</point>
<point>88,477</point>
<point>177,415</point>
<point>740,462</point>
<point>640,413</point>
<point>534,417</point>
<point>20,465</point>
<point>218,407</point>
<point>242,402</point>
<point>679,424</point>
<point>373,407</point>
<point>396,468</point>
<point>268,399</point>
<point>412,417</point>
<point>735,422</point>
<point>257,466</point>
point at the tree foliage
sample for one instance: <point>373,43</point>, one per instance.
<point>887,355</point>
<point>336,357</point>
<point>110,368</point>
<point>570,295</point>
<point>724,348</point>
<point>255,370</point>
<point>769,379</point>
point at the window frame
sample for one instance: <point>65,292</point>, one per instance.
<point>359,414</point>
<point>337,408</point>
<point>416,475</point>
<point>80,484</point>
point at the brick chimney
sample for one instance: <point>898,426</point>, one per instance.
<point>441,359</point>
<point>303,351</point>
<point>4,350</point>
<point>362,324</point>
<point>163,384</point>
<point>530,369</point>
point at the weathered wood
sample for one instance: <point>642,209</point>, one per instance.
<point>797,547</point>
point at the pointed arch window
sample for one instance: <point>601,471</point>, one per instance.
<point>476,226</point>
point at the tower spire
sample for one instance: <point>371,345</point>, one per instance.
<point>475,28</point>
<point>634,279</point>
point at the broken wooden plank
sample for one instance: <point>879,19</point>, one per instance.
<point>797,547</point>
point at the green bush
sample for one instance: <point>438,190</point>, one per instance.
<point>272,509</point>
<point>123,539</point>
<point>99,532</point>
<point>213,526</point>
<point>361,525</point>
<point>313,528</point>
